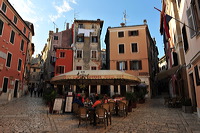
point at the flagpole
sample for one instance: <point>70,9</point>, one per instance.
<point>177,20</point>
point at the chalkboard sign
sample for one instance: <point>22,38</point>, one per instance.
<point>68,107</point>
<point>58,104</point>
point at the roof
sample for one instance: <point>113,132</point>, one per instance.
<point>96,77</point>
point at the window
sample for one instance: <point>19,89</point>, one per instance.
<point>121,48</point>
<point>79,53</point>
<point>34,70</point>
<point>5,84</point>
<point>4,7</point>
<point>8,62</point>
<point>185,40</point>
<point>80,25</point>
<point>19,65</point>
<point>94,39</point>
<point>62,54</point>
<point>93,26</point>
<point>22,45</point>
<point>134,47</point>
<point>93,68</point>
<point>1,26</point>
<point>197,75</point>
<point>78,68</point>
<point>122,65</point>
<point>55,37</point>
<point>133,33</point>
<point>121,34</point>
<point>12,37</point>
<point>191,22</point>
<point>24,30</point>
<point>93,54</point>
<point>80,38</point>
<point>60,69</point>
<point>136,65</point>
<point>15,20</point>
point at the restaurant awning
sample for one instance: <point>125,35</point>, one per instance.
<point>167,73</point>
<point>96,77</point>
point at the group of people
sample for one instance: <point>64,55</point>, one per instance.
<point>92,101</point>
<point>36,91</point>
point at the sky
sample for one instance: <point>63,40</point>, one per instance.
<point>48,15</point>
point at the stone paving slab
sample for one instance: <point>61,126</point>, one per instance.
<point>29,114</point>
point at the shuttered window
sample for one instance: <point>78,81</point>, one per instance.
<point>191,21</point>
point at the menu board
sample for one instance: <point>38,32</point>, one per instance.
<point>58,104</point>
<point>68,107</point>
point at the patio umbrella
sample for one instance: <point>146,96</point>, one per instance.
<point>96,77</point>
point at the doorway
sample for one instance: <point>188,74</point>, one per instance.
<point>193,92</point>
<point>16,88</point>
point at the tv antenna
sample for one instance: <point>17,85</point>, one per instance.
<point>124,17</point>
<point>55,26</point>
<point>75,15</point>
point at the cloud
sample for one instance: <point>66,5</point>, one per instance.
<point>27,10</point>
<point>73,1</point>
<point>64,7</point>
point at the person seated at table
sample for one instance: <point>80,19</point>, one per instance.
<point>97,102</point>
<point>78,100</point>
<point>88,102</point>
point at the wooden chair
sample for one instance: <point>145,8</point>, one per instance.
<point>122,108</point>
<point>101,115</point>
<point>126,102</point>
<point>83,115</point>
<point>112,107</point>
<point>107,107</point>
<point>75,108</point>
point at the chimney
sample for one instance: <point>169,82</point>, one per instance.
<point>145,21</point>
<point>67,26</point>
<point>56,30</point>
<point>122,24</point>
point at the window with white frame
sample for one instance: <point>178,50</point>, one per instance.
<point>62,54</point>
<point>121,65</point>
<point>19,65</point>
<point>121,34</point>
<point>9,58</point>
<point>78,67</point>
<point>60,69</point>
<point>133,33</point>
<point>4,6</point>
<point>15,20</point>
<point>22,45</point>
<point>79,53</point>
<point>93,54</point>
<point>94,39</point>
<point>136,65</point>
<point>121,48</point>
<point>93,68</point>
<point>12,37</point>
<point>1,26</point>
<point>134,47</point>
<point>191,22</point>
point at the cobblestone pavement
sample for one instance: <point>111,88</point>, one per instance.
<point>29,114</point>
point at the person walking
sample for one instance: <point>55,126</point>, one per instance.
<point>35,91</point>
<point>31,90</point>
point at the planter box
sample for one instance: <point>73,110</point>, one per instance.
<point>187,109</point>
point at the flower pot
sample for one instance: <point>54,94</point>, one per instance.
<point>187,109</point>
<point>134,105</point>
<point>141,101</point>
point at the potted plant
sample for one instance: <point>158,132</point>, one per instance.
<point>131,98</point>
<point>49,97</point>
<point>141,94</point>
<point>187,105</point>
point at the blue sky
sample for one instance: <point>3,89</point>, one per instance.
<point>50,14</point>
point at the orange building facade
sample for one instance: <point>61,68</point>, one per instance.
<point>15,39</point>
<point>128,49</point>
<point>64,60</point>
